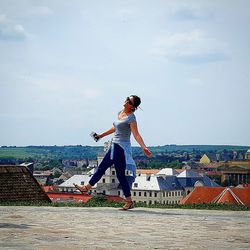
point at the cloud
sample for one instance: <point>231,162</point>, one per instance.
<point>195,82</point>
<point>40,11</point>
<point>9,30</point>
<point>124,15</point>
<point>189,13</point>
<point>189,47</point>
<point>69,89</point>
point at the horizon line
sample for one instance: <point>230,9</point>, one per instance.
<point>81,145</point>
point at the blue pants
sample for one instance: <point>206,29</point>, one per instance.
<point>119,162</point>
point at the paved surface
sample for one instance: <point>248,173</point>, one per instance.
<point>111,228</point>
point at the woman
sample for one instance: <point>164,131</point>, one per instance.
<point>120,153</point>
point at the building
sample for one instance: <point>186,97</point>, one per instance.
<point>190,179</point>
<point>204,159</point>
<point>156,188</point>
<point>65,176</point>
<point>220,195</point>
<point>236,175</point>
<point>42,176</point>
<point>29,165</point>
<point>166,186</point>
<point>68,197</point>
<point>18,184</point>
<point>247,156</point>
<point>80,179</point>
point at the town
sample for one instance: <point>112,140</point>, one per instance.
<point>176,177</point>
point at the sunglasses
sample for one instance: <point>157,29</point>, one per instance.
<point>129,101</point>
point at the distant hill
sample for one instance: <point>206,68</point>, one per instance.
<point>91,152</point>
<point>50,152</point>
<point>201,148</point>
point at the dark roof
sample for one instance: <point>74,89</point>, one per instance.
<point>169,183</point>
<point>190,181</point>
<point>18,184</point>
<point>209,182</point>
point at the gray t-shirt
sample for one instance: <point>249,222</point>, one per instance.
<point>122,128</point>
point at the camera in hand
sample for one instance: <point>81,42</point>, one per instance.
<point>94,136</point>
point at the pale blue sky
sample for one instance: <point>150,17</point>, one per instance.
<point>66,68</point>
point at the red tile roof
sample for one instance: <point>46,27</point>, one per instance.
<point>218,195</point>
<point>227,197</point>
<point>59,197</point>
<point>48,188</point>
<point>147,171</point>
<point>178,170</point>
<point>202,195</point>
<point>55,197</point>
<point>243,194</point>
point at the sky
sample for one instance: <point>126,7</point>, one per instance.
<point>66,68</point>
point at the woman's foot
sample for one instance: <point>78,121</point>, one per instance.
<point>82,189</point>
<point>128,205</point>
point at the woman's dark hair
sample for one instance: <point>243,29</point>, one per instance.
<point>136,101</point>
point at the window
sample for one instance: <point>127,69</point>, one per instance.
<point>150,194</point>
<point>139,193</point>
<point>155,194</point>
<point>119,193</point>
<point>135,185</point>
<point>134,193</point>
<point>103,180</point>
<point>82,182</point>
<point>150,202</point>
<point>113,172</point>
<point>113,180</point>
<point>145,194</point>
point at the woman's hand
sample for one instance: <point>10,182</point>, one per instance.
<point>147,152</point>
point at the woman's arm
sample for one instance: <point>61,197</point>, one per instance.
<point>139,139</point>
<point>108,132</point>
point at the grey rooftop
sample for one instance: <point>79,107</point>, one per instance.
<point>111,228</point>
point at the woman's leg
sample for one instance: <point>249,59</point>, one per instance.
<point>130,180</point>
<point>104,165</point>
<point>120,167</point>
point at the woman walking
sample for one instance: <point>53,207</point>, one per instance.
<point>120,152</point>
